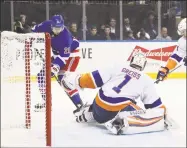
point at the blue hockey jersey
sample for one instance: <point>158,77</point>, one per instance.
<point>62,44</point>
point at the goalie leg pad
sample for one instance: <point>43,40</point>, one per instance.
<point>139,121</point>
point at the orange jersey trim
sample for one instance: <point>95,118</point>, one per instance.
<point>139,121</point>
<point>114,108</point>
<point>171,64</point>
<point>86,81</point>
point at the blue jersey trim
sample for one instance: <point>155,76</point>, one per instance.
<point>111,99</point>
<point>97,78</point>
<point>154,104</point>
<point>176,57</point>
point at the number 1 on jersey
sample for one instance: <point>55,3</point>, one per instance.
<point>118,88</point>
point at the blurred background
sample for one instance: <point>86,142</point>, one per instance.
<point>99,19</point>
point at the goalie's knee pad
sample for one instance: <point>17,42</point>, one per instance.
<point>156,104</point>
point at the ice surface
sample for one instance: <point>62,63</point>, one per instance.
<point>66,132</point>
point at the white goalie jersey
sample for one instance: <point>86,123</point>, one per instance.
<point>119,86</point>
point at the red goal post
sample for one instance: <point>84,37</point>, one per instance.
<point>22,58</point>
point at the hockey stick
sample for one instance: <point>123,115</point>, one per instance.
<point>55,77</point>
<point>158,80</point>
<point>42,59</point>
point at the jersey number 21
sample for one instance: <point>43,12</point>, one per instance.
<point>118,88</point>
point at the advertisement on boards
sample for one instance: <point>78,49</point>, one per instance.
<point>96,55</point>
<point>105,54</point>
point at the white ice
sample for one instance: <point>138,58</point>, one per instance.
<point>66,132</point>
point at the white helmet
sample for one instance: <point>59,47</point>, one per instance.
<point>182,27</point>
<point>138,61</point>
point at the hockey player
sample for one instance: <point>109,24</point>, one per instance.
<point>115,103</point>
<point>178,55</point>
<point>65,55</point>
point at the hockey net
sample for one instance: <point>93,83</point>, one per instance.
<point>22,58</point>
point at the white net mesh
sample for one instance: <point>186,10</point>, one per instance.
<point>22,58</point>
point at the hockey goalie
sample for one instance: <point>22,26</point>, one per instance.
<point>115,103</point>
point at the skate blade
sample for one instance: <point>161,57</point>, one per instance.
<point>41,110</point>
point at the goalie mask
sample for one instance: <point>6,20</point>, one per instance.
<point>182,27</point>
<point>138,61</point>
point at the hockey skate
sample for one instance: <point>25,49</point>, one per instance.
<point>84,114</point>
<point>78,107</point>
<point>40,107</point>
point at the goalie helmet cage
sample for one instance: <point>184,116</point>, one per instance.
<point>10,40</point>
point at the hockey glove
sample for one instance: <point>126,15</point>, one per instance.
<point>54,70</point>
<point>71,81</point>
<point>162,74</point>
<point>185,61</point>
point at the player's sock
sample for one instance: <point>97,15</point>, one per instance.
<point>76,99</point>
<point>72,94</point>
